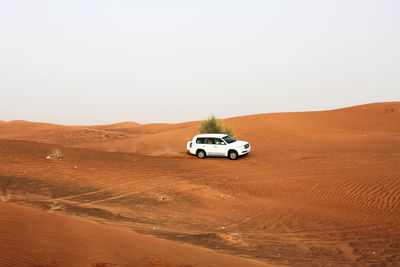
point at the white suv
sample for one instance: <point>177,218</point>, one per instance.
<point>204,145</point>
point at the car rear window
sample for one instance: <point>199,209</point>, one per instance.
<point>200,140</point>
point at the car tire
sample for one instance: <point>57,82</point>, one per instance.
<point>201,154</point>
<point>233,155</point>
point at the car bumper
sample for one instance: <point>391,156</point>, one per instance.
<point>191,151</point>
<point>244,151</point>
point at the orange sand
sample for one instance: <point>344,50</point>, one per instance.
<point>319,188</point>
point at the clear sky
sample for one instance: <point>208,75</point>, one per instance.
<point>94,62</point>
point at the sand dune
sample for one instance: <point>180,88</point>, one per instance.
<point>319,188</point>
<point>355,126</point>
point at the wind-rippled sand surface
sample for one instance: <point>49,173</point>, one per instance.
<point>319,188</point>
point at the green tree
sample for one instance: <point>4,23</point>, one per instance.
<point>213,125</point>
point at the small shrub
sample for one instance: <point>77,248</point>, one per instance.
<point>212,125</point>
<point>228,130</point>
<point>56,154</point>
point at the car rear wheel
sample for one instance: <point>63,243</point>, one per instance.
<point>201,154</point>
<point>233,155</point>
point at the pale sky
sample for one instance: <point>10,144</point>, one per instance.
<point>96,62</point>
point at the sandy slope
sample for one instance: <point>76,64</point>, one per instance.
<point>68,241</point>
<point>319,188</point>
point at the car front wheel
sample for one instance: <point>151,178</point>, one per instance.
<point>201,154</point>
<point>233,155</point>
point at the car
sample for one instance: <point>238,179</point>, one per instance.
<point>218,145</point>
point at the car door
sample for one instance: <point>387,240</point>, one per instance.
<point>200,143</point>
<point>209,144</point>
<point>220,147</point>
<point>216,147</point>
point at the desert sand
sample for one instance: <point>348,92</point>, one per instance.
<point>318,189</point>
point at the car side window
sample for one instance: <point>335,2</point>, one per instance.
<point>210,141</point>
<point>200,140</point>
<point>219,141</point>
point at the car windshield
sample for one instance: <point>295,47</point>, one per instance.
<point>229,139</point>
